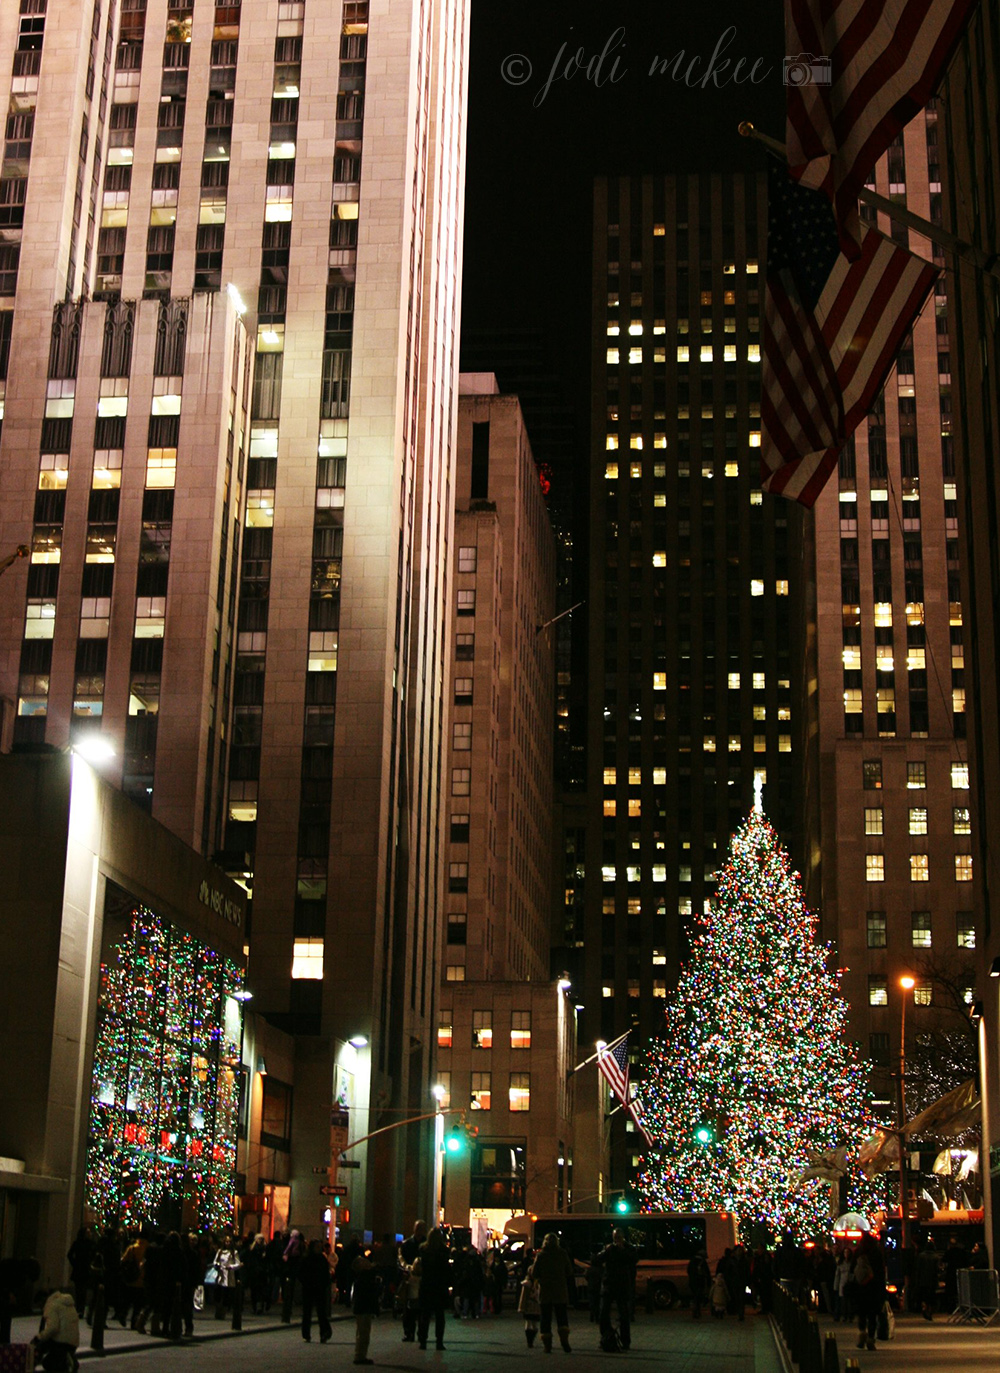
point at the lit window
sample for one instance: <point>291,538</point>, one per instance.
<point>874,867</point>
<point>784,743</point>
<point>260,509</point>
<point>852,658</point>
<point>916,776</point>
<point>920,929</point>
<point>853,704</point>
<point>732,469</point>
<point>150,612</point>
<point>482,1029</point>
<point>307,960</point>
<point>961,820</point>
<point>454,972</point>
<point>923,993</point>
<point>634,806</point>
<point>161,468</point>
<point>635,777</point>
<point>756,588</point>
<point>520,1029</point>
<point>878,991</point>
<point>966,926</point>
<point>876,929</point>
<point>754,438</point>
<point>519,1093</point>
<point>683,353</point>
<point>960,777</point>
<point>635,355</point>
<point>873,820</point>
<point>608,872</point>
<point>444,1082</point>
<point>734,743</point>
<point>609,777</point>
<point>611,472</point>
<point>916,659</point>
<point>958,700</point>
<point>706,352</point>
<point>610,806</point>
<point>659,777</point>
<point>323,647</point>
<point>480,1093</point>
<point>659,559</point>
<point>918,819</point>
<point>781,588</point>
<point>612,442</point>
<point>635,468</point>
<point>612,356</point>
<point>659,681</point>
<point>729,351</point>
<point>963,867</point>
<point>915,613</point>
<point>658,872</point>
<point>171,404</point>
<point>607,989</point>
<point>919,867</point>
<point>883,615</point>
<point>759,681</point>
<point>753,352</point>
<point>444,1034</point>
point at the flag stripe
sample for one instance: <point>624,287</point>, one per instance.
<point>886,59</point>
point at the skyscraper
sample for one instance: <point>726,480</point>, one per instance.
<point>240,514</point>
<point>691,663</point>
<point>891,856</point>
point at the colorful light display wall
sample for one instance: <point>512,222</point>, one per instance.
<point>165,1096</point>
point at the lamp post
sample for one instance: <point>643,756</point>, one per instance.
<point>907,983</point>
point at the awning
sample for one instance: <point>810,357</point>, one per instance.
<point>959,1110</point>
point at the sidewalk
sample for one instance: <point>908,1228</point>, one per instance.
<point>206,1328</point>
<point>935,1346</point>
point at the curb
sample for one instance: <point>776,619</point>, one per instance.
<point>779,1344</point>
<point>191,1342</point>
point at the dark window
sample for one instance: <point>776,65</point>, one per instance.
<point>480,461</point>
<point>276,1115</point>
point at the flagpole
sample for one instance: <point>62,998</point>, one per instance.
<point>977,257</point>
<point>604,1049</point>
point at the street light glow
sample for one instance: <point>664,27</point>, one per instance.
<point>438,1091</point>
<point>908,982</point>
<point>358,1041</point>
<point>94,747</point>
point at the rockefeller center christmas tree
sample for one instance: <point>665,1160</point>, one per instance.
<point>754,1077</point>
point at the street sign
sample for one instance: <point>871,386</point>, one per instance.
<point>340,1120</point>
<point>349,1163</point>
<point>327,1191</point>
<point>324,1169</point>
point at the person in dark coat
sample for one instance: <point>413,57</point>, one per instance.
<point>192,1276</point>
<point>255,1272</point>
<point>81,1257</point>
<point>314,1275</point>
<point>956,1256</point>
<point>762,1278</point>
<point>170,1283</point>
<point>408,1252</point>
<point>869,1289</point>
<point>699,1280</point>
<point>926,1276</point>
<point>739,1280</point>
<point>366,1298</point>
<point>433,1296</point>
<point>553,1271</point>
<point>150,1286</point>
<point>290,1261</point>
<point>617,1263</point>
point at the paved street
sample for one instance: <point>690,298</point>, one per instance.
<point>672,1342</point>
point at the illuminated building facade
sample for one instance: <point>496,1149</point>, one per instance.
<point>239,502</point>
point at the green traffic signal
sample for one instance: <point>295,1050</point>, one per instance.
<point>704,1134</point>
<point>454,1143</point>
<point>621,1206</point>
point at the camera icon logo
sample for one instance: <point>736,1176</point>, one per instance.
<point>806,70</point>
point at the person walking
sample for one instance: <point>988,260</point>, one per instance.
<point>409,1252</point>
<point>926,1279</point>
<point>290,1261</point>
<point>81,1257</point>
<point>553,1271</point>
<point>618,1264</point>
<point>59,1336</point>
<point>433,1296</point>
<point>719,1296</point>
<point>314,1275</point>
<point>869,1289</point>
<point>699,1280</point>
<point>530,1309</point>
<point>366,1290</point>
<point>739,1280</point>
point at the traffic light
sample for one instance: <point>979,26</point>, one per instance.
<point>621,1206</point>
<point>337,1199</point>
<point>705,1135</point>
<point>459,1137</point>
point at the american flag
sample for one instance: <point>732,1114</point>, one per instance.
<point>613,1063</point>
<point>886,58</point>
<point>831,332</point>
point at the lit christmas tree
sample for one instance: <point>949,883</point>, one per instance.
<point>754,1077</point>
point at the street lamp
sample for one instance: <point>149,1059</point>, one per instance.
<point>907,983</point>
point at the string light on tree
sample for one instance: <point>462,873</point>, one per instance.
<point>754,1073</point>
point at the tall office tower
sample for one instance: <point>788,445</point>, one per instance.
<point>505,1033</point>
<point>503,708</point>
<point>894,882</point>
<point>970,161</point>
<point>690,642</point>
<point>312,156</point>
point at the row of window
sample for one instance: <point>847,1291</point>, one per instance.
<point>916,775</point>
<point>920,929</point>
<point>923,991</point>
<point>961,820</point>
<point>481,1092</point>
<point>482,1030</point>
<point>919,867</point>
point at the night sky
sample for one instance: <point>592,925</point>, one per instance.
<point>535,145</point>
